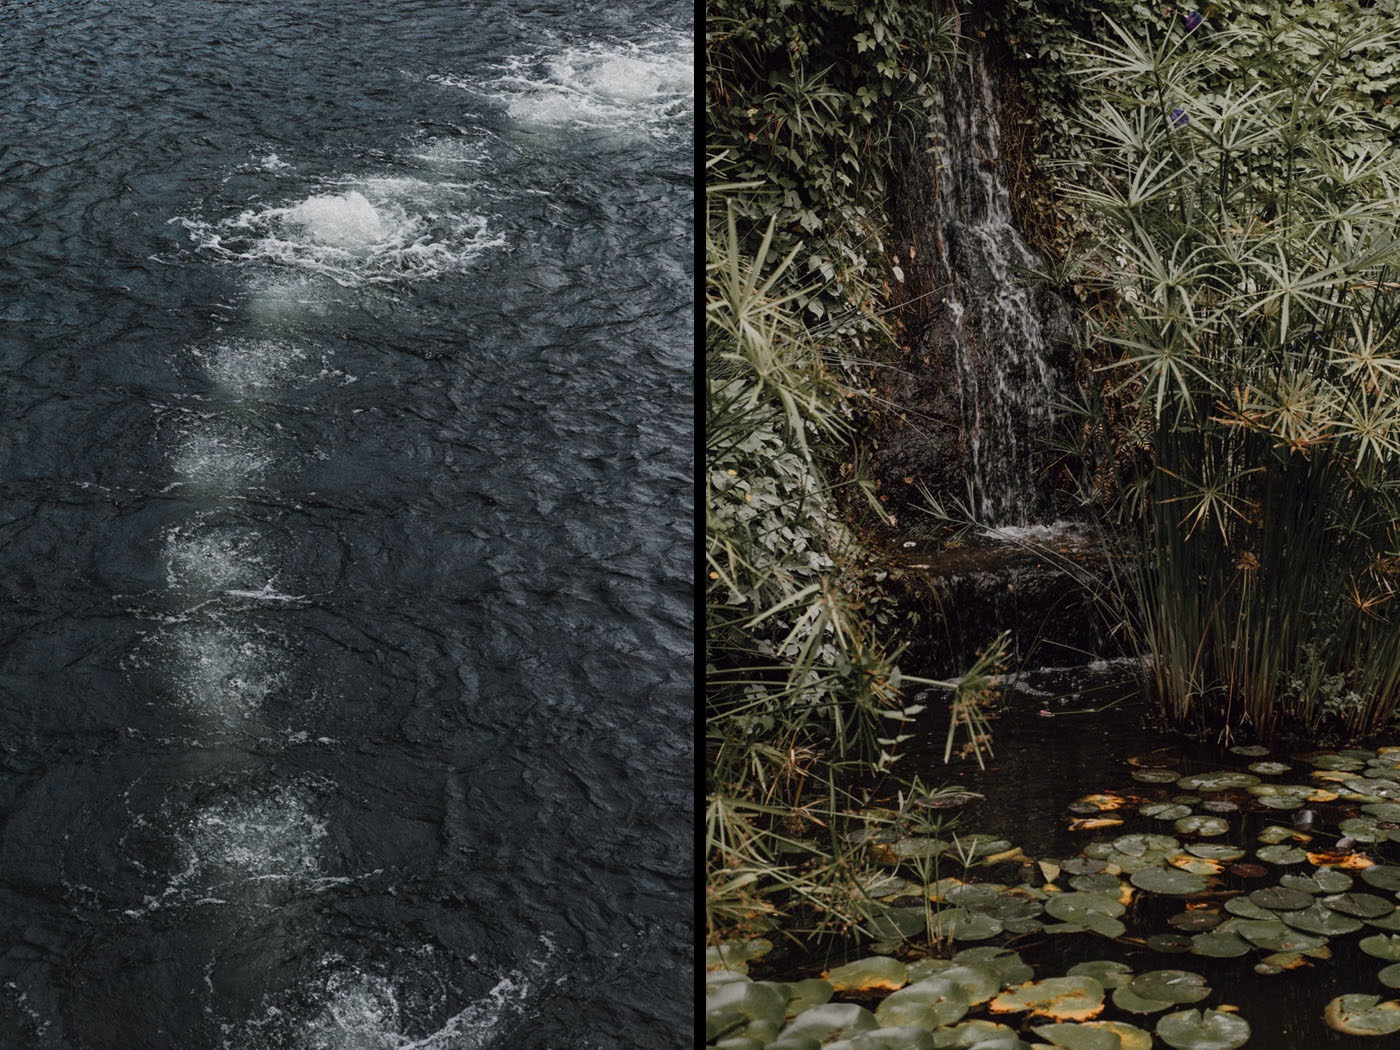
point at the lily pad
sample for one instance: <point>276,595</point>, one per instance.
<point>1338,763</point>
<point>1247,909</point>
<point>1070,906</point>
<point>1276,833</point>
<point>1083,866</point>
<point>1199,824</point>
<point>1003,962</point>
<point>1218,945</point>
<point>903,1038</point>
<point>733,1003</point>
<point>1362,905</point>
<point>1095,1035</point>
<point>876,972</point>
<point>1170,882</point>
<point>1164,811</point>
<point>1363,1015</point>
<point>1321,920</point>
<point>1382,877</point>
<point>964,925</point>
<point>1269,769</point>
<point>1386,811</point>
<point>1214,851</point>
<point>1173,986</point>
<point>1274,936</point>
<point>1280,898</point>
<point>978,983</point>
<point>1154,776</point>
<point>929,1003</point>
<point>805,994</point>
<point>1220,805</point>
<point>1220,780</point>
<point>1102,883</point>
<point>1077,998</point>
<point>1127,1000</point>
<point>1198,920</point>
<point>1197,1030</point>
<point>1249,750</point>
<point>1381,946</point>
<point>736,955</point>
<point>1390,976</point>
<point>831,1021</point>
<point>1108,972</point>
<point>1171,943</point>
<point>975,1033</point>
<point>1282,855</point>
<point>1140,845</point>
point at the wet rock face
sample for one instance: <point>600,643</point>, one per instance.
<point>986,346</point>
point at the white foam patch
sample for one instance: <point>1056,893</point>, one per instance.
<point>364,231</point>
<point>210,561</point>
<point>272,838</point>
<point>252,367</point>
<point>630,89</point>
<point>362,1012</point>
<point>223,674</point>
<point>218,460</point>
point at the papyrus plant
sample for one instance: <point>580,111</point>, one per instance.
<point>1245,239</point>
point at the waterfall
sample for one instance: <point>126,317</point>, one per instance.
<point>983,333</point>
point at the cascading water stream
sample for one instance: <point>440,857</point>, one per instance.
<point>987,339</point>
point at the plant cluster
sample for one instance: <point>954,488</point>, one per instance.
<point>1242,210</point>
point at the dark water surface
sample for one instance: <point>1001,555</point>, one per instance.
<point>345,507</point>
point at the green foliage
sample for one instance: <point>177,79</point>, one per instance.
<point>1242,212</point>
<point>805,99</point>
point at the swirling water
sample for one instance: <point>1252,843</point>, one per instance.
<point>345,514</point>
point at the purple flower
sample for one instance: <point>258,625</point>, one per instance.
<point>1193,19</point>
<point>1179,117</point>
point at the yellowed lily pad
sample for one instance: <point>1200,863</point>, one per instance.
<point>1362,1015</point>
<point>1077,998</point>
<point>875,973</point>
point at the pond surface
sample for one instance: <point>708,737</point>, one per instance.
<point>345,509</point>
<point>1225,858</point>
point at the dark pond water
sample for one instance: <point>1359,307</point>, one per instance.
<point>1064,734</point>
<point>345,511</point>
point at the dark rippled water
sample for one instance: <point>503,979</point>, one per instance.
<point>346,521</point>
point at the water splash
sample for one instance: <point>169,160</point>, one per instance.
<point>624,88</point>
<point>223,675</point>
<point>370,231</point>
<point>211,561</point>
<point>217,459</point>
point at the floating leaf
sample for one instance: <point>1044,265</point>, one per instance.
<point>1273,936</point>
<point>1218,945</point>
<point>831,1021</point>
<point>1220,780</point>
<point>736,955</point>
<point>1324,921</point>
<point>1362,905</point>
<point>1127,1000</point>
<point>1214,851</point>
<point>1174,943</point>
<point>1280,898</point>
<point>876,972</point>
<point>1083,866</point>
<point>1249,750</point>
<point>1154,776</point>
<point>1140,845</point>
<point>1278,962</point>
<point>1382,946</point>
<point>1211,1030</point>
<point>1108,972</point>
<point>1196,921</point>
<point>973,1034</point>
<point>1102,883</point>
<point>1276,833</point>
<point>1390,976</point>
<point>978,983</point>
<point>1247,909</point>
<point>805,994</point>
<point>1003,962</point>
<point>930,1003</point>
<point>1269,769</point>
<point>1095,1035</point>
<point>1173,986</point>
<point>1198,824</point>
<point>1382,877</point>
<point>1059,998</point>
<point>733,1003</point>
<point>1171,882</point>
<point>903,1038</point>
<point>1282,855</point>
<point>1363,1015</point>
<point>963,925</point>
<point>1165,811</point>
<point>1070,906</point>
<point>1338,763</point>
<point>1386,811</point>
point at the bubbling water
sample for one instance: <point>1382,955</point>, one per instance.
<point>375,231</point>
